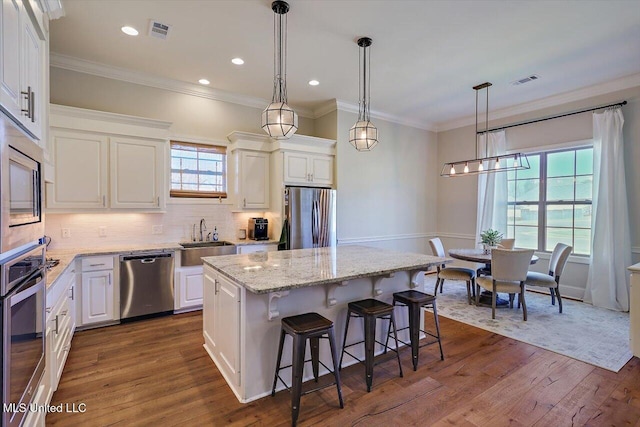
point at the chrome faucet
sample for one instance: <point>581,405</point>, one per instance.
<point>203,228</point>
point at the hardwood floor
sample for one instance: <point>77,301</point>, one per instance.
<point>156,372</point>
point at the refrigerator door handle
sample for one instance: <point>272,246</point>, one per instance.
<point>314,224</point>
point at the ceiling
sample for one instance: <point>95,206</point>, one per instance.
<point>425,58</point>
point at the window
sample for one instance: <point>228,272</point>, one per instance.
<point>551,201</point>
<point>198,170</point>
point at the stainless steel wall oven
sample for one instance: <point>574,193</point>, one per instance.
<point>22,301</point>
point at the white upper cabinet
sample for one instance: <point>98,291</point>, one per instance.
<point>249,175</point>
<point>23,66</point>
<point>308,169</point>
<point>105,161</point>
<point>137,173</point>
<point>80,175</point>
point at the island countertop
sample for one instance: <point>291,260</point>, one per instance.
<point>264,272</point>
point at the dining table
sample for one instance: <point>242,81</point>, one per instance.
<point>483,257</point>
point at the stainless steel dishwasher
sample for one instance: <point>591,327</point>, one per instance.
<point>146,284</point>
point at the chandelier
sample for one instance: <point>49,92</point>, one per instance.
<point>499,163</point>
<point>364,135</point>
<point>278,119</point>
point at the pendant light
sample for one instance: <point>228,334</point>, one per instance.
<point>500,163</point>
<point>364,135</point>
<point>278,119</point>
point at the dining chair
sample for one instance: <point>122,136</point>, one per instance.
<point>557,262</point>
<point>508,274</point>
<point>507,243</point>
<point>452,273</point>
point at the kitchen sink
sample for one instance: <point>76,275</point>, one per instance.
<point>194,251</point>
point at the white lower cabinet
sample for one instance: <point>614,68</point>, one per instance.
<point>221,317</point>
<point>98,291</point>
<point>189,287</point>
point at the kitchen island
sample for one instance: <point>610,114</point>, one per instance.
<point>246,295</point>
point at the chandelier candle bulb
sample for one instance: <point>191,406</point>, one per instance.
<point>466,167</point>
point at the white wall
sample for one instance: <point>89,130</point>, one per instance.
<point>387,196</point>
<point>457,197</point>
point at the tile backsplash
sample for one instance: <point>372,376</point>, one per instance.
<point>85,229</point>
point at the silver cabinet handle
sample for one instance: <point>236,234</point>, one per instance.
<point>27,96</point>
<point>109,279</point>
<point>48,309</point>
<point>158,201</point>
<point>72,296</point>
<point>32,105</point>
<point>244,202</point>
<point>64,313</point>
<point>36,184</point>
<point>56,324</point>
<point>311,177</point>
<point>215,286</point>
<point>104,201</point>
<point>96,265</point>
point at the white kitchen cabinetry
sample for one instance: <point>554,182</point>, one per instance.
<point>249,249</point>
<point>137,173</point>
<point>98,291</point>
<point>80,175</point>
<point>106,162</point>
<point>251,180</point>
<point>222,301</point>
<point>23,68</point>
<point>634,310</point>
<point>308,169</point>
<point>189,284</point>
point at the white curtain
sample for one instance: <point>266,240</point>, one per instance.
<point>608,281</point>
<point>492,188</point>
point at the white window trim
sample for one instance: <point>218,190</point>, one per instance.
<point>582,143</point>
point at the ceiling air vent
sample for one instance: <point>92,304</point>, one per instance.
<point>527,79</point>
<point>159,30</point>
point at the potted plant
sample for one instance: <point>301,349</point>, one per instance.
<point>490,239</point>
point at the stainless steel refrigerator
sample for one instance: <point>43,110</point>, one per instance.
<point>310,217</point>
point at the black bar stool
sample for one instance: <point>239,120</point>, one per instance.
<point>309,326</point>
<point>370,310</point>
<point>415,301</point>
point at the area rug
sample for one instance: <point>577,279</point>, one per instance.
<point>590,334</point>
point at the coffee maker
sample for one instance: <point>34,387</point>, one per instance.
<point>258,229</point>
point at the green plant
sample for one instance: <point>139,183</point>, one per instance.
<point>491,237</point>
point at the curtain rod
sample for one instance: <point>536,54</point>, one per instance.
<point>553,117</point>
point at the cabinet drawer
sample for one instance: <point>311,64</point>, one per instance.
<point>97,263</point>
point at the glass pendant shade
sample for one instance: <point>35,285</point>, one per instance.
<point>279,120</point>
<point>363,135</point>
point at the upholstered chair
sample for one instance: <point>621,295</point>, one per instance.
<point>508,274</point>
<point>452,273</point>
<point>557,262</point>
<point>507,243</point>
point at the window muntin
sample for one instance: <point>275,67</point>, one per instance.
<point>198,170</point>
<point>551,202</point>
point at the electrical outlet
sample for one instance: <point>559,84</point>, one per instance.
<point>102,231</point>
<point>156,229</point>
<point>66,233</point>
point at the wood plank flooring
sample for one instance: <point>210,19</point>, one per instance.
<point>156,372</point>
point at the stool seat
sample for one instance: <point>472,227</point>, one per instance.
<point>413,297</point>
<point>370,307</point>
<point>306,323</point>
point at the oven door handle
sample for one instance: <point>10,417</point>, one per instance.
<point>26,289</point>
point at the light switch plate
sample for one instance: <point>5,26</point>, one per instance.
<point>156,229</point>
<point>66,233</point>
<point>102,231</point>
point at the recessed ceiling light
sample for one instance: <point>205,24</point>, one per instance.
<point>314,82</point>
<point>130,31</point>
<point>237,61</point>
<point>204,81</point>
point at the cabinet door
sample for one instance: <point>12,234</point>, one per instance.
<point>11,29</point>
<point>296,168</point>
<point>321,169</point>
<point>249,249</point>
<point>32,76</point>
<point>254,180</point>
<point>227,327</point>
<point>209,310</point>
<point>137,173</point>
<point>80,180</point>
<point>97,296</point>
<point>190,283</point>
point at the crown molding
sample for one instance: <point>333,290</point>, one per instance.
<point>126,75</point>
<point>551,101</point>
<point>349,107</point>
<point>82,113</point>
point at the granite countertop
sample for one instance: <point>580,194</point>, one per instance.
<point>265,272</point>
<point>635,268</point>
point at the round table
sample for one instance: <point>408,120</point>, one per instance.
<point>478,255</point>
